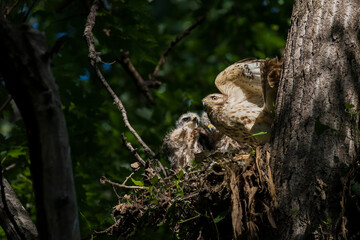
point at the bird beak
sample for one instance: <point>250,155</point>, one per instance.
<point>194,119</point>
<point>204,101</point>
<point>211,127</point>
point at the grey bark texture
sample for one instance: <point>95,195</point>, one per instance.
<point>14,219</point>
<point>25,67</point>
<point>314,141</point>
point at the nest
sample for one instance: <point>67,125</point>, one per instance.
<point>222,196</point>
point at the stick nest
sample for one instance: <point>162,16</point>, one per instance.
<point>224,195</point>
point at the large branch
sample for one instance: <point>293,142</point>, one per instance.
<point>26,71</point>
<point>14,219</point>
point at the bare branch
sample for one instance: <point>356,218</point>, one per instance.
<point>139,81</point>
<point>94,58</point>
<point>142,85</point>
<point>132,150</point>
<point>162,168</point>
<point>90,23</point>
<point>171,46</point>
<point>127,178</point>
<point>104,180</point>
<point>8,9</point>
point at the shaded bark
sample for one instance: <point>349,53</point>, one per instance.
<point>14,219</point>
<point>315,142</point>
<point>25,67</point>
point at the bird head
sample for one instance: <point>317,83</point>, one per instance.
<point>188,119</point>
<point>213,100</point>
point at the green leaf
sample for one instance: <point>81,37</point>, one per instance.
<point>180,174</point>
<point>259,133</point>
<point>17,152</point>
<point>137,183</point>
<point>218,218</point>
<point>349,106</point>
<point>161,223</point>
<point>154,180</point>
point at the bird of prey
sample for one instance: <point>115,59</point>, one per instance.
<point>181,144</point>
<point>242,110</point>
<point>217,140</point>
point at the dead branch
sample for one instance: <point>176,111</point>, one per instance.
<point>161,167</point>
<point>142,85</point>
<point>131,70</point>
<point>132,150</point>
<point>94,59</point>
<point>104,180</point>
<point>127,178</point>
<point>171,46</point>
<point>8,9</point>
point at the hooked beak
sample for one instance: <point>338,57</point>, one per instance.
<point>194,119</point>
<point>211,127</point>
<point>204,101</point>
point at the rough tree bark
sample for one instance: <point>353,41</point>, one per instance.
<point>14,219</point>
<point>313,138</point>
<point>25,67</point>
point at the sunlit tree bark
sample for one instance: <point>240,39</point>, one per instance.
<point>315,141</point>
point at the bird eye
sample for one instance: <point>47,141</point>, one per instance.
<point>214,98</point>
<point>186,119</point>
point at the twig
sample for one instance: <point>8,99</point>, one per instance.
<point>132,150</point>
<point>171,46</point>
<point>10,167</point>
<point>94,58</point>
<point>142,85</point>
<point>127,178</point>
<point>117,195</point>
<point>104,180</point>
<point>5,103</point>
<point>139,81</point>
<point>109,230</point>
<point>161,167</point>
<point>8,9</point>
<point>189,196</point>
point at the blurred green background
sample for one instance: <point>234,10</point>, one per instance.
<point>232,30</point>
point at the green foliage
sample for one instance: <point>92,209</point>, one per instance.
<point>232,30</point>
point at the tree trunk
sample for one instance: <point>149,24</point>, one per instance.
<point>315,142</point>
<point>25,67</point>
<point>14,219</point>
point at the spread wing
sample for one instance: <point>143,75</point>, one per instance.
<point>271,72</point>
<point>241,80</point>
